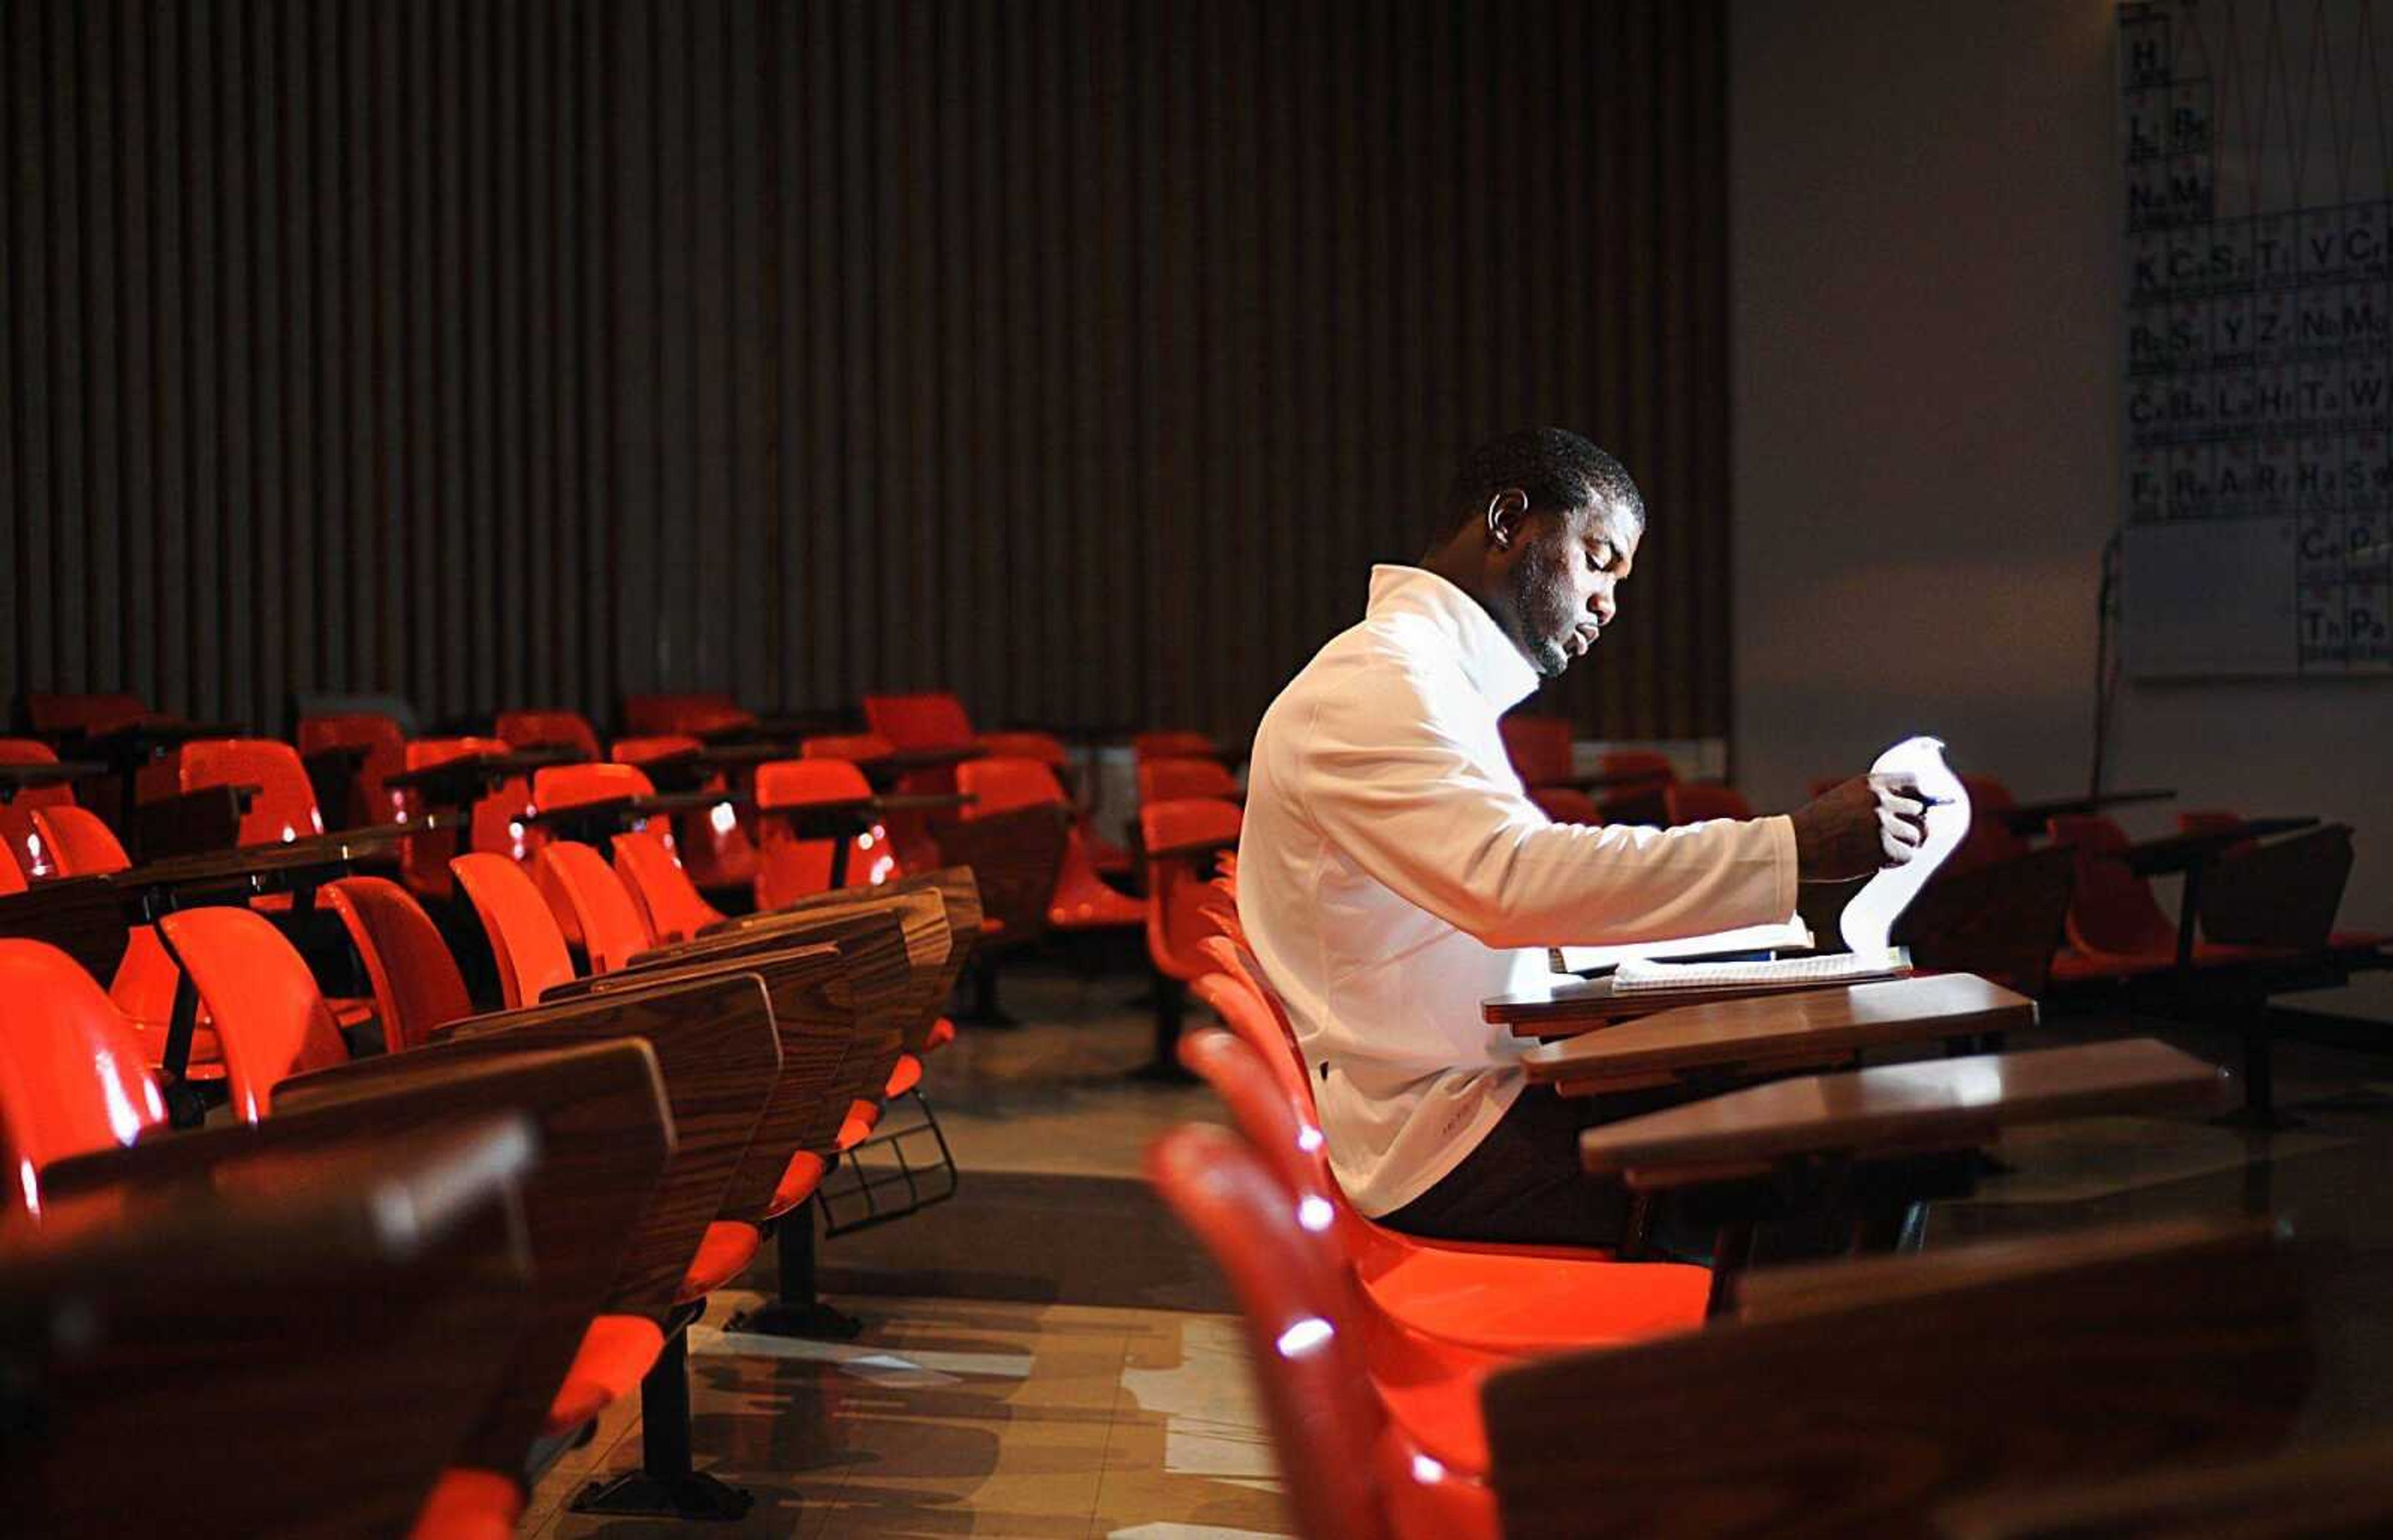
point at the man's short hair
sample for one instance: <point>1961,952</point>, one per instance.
<point>1557,468</point>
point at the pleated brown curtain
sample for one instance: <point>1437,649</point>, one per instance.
<point>1078,356</point>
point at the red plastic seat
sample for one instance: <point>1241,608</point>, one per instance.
<point>651,746</point>
<point>927,719</point>
<point>1486,1298</point>
<point>1638,762</point>
<point>596,781</point>
<point>525,943</point>
<point>2115,928</point>
<point>1347,1468</point>
<point>547,730</point>
<point>1989,840</point>
<point>723,1255</point>
<point>271,1019</point>
<point>143,988</point>
<point>799,1180</point>
<point>386,747</point>
<point>789,867</point>
<point>72,1077</point>
<point>688,713</point>
<point>616,1352</point>
<point>51,714</point>
<point>612,931</point>
<point>467,1504</point>
<point>416,985</point>
<point>284,806</point>
<point>1046,748</point>
<point>1172,743</point>
<point>27,850</point>
<point>1175,779</point>
<point>557,786</point>
<point>1540,747</point>
<point>860,748</point>
<point>1694,802</point>
<point>495,823</point>
<point>1182,837</point>
<point>669,901</point>
<point>12,876</point>
<point>1081,900</point>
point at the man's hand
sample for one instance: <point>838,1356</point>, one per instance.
<point>1868,823</point>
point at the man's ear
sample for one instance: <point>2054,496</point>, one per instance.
<point>1508,514</point>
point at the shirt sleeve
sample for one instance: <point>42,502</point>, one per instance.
<point>1389,777</point>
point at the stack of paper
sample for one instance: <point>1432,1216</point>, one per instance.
<point>1638,977</point>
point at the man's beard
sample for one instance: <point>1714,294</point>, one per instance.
<point>1537,610</point>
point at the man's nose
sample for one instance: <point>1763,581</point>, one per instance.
<point>1603,603</point>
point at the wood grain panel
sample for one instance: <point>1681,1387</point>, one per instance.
<point>1075,355</point>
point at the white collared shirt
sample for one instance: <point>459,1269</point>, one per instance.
<point>1393,875</point>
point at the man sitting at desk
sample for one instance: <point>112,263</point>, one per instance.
<point>1393,874</point>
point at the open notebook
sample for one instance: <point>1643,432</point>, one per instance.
<point>1641,976</point>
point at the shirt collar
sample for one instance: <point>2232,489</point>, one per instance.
<point>1489,661</point>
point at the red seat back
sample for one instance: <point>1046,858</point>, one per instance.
<point>1003,785</point>
<point>1179,892</point>
<point>525,941</point>
<point>50,714</point>
<point>1691,802</point>
<point>929,719</point>
<point>789,867</point>
<point>1303,1351</point>
<point>640,750</point>
<point>1046,748</point>
<point>17,815</point>
<point>385,748</point>
<point>416,985</point>
<point>1638,762</point>
<point>1172,743</point>
<point>12,876</point>
<point>1989,840</point>
<point>78,841</point>
<point>847,746</point>
<point>496,821</point>
<point>648,714</point>
<point>574,785</point>
<point>669,901</point>
<point>1166,781</point>
<point>1540,747</point>
<point>284,807</point>
<point>270,1016</point>
<point>547,730</point>
<point>612,930</point>
<point>2112,909</point>
<point>72,1079</point>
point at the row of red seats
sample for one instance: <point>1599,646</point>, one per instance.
<point>70,1082</point>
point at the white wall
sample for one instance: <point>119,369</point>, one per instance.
<point>1924,308</point>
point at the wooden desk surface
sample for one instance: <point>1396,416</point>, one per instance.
<point>1938,1104</point>
<point>336,849</point>
<point>1766,1031</point>
<point>2178,851</point>
<point>1567,1007</point>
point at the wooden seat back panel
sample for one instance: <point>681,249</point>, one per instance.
<point>1863,1418</point>
<point>899,994</point>
<point>719,1054</point>
<point>814,1015</point>
<point>605,1131</point>
<point>372,1307</point>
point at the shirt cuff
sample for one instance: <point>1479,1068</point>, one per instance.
<point>1782,842</point>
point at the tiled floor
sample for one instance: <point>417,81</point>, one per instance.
<point>1016,1377</point>
<point>956,1417</point>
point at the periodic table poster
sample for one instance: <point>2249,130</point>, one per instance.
<point>2259,188</point>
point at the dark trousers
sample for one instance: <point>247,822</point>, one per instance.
<point>1524,1184</point>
